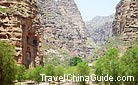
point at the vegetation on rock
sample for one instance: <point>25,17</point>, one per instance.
<point>2,10</point>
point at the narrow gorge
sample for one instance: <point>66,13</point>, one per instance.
<point>50,42</point>
<point>48,30</point>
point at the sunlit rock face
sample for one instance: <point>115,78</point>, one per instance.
<point>18,27</point>
<point>126,20</point>
<point>64,27</point>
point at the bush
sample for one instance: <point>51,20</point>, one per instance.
<point>21,73</point>
<point>8,66</point>
<point>109,64</point>
<point>29,74</point>
<point>115,66</point>
<point>59,71</point>
<point>34,74</point>
<point>83,70</point>
<point>129,63</point>
<point>74,61</point>
<point>49,70</point>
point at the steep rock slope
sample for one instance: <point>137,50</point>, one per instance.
<point>126,20</point>
<point>17,27</point>
<point>64,28</point>
<point>100,28</point>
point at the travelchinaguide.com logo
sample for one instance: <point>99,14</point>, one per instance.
<point>92,77</point>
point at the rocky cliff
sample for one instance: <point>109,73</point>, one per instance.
<point>100,28</point>
<point>64,27</point>
<point>19,27</point>
<point>126,20</point>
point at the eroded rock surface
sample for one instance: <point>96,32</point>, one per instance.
<point>19,27</point>
<point>100,28</point>
<point>64,27</point>
<point>126,20</point>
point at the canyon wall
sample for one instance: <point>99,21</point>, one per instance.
<point>64,27</point>
<point>100,28</point>
<point>126,20</point>
<point>18,26</point>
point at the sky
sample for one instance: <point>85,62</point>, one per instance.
<point>91,8</point>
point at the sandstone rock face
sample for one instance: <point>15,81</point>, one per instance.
<point>64,27</point>
<point>18,27</point>
<point>100,28</point>
<point>126,20</point>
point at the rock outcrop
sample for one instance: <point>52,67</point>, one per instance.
<point>64,27</point>
<point>100,28</point>
<point>126,20</point>
<point>19,27</point>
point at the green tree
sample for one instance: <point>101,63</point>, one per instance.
<point>71,70</point>
<point>59,71</point>
<point>83,70</point>
<point>49,70</point>
<point>109,64</point>
<point>74,61</point>
<point>99,66</point>
<point>129,63</point>
<point>29,74</point>
<point>36,74</point>
<point>7,64</point>
<point>21,73</point>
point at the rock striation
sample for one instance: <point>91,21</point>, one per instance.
<point>100,28</point>
<point>19,27</point>
<point>126,20</point>
<point>64,27</point>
